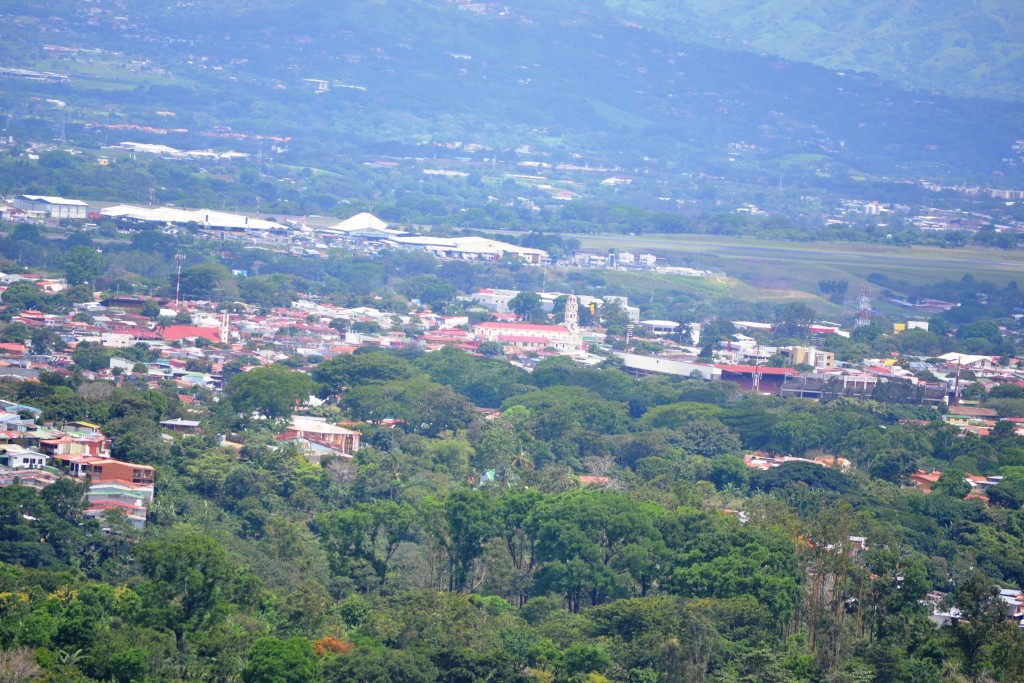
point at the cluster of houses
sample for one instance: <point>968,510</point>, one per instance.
<point>769,461</point>
<point>942,614</point>
<point>37,456</point>
<point>978,483</point>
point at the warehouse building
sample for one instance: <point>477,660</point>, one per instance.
<point>53,207</point>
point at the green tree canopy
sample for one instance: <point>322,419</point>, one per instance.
<point>527,305</point>
<point>272,660</point>
<point>271,390</point>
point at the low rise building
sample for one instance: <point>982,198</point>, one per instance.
<point>52,207</point>
<point>319,431</point>
<point>530,337</point>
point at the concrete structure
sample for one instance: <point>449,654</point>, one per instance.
<point>572,314</point>
<point>471,248</point>
<point>758,378</point>
<point>642,366</point>
<point>660,327</point>
<point>808,355</point>
<point>53,207</point>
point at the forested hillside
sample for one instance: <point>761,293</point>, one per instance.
<point>532,81</point>
<point>964,48</point>
<point>455,548</point>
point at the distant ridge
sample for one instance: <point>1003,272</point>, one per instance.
<point>964,48</point>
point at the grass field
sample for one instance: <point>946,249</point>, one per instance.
<point>775,270</point>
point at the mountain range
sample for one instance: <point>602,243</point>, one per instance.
<point>568,80</point>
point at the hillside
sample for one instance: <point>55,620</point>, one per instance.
<point>965,48</point>
<point>528,81</point>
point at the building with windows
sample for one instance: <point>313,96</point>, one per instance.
<point>530,337</point>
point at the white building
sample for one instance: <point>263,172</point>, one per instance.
<point>660,327</point>
<point>493,299</point>
<point>19,458</point>
<point>54,207</point>
<point>470,248</point>
<point>213,220</point>
<point>641,366</point>
<point>363,227</point>
<point>530,337</point>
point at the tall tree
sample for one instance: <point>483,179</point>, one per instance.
<point>192,576</point>
<point>527,305</point>
<point>82,264</point>
<point>348,371</point>
<point>272,391</point>
<point>272,660</point>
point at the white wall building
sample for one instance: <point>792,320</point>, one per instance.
<point>54,207</point>
<point>530,337</point>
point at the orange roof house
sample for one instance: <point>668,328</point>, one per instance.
<point>106,469</point>
<point>925,480</point>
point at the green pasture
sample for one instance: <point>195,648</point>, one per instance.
<point>770,270</point>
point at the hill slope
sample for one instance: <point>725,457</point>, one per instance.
<point>972,48</point>
<point>561,80</point>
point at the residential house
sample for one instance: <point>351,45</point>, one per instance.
<point>319,431</point>
<point>106,469</point>
<point>180,426</point>
<point>18,457</point>
<point>925,480</point>
<point>33,478</point>
<point>134,512</point>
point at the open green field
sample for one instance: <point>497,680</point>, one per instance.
<point>775,266</point>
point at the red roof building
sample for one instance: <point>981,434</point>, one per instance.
<point>925,480</point>
<point>529,336</point>
<point>769,379</point>
<point>179,332</point>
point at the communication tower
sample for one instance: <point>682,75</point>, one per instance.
<point>864,307</point>
<point>177,287</point>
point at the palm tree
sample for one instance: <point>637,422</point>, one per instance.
<point>522,461</point>
<point>65,658</point>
